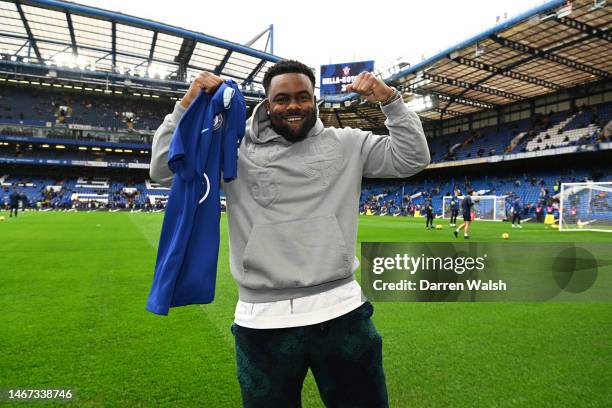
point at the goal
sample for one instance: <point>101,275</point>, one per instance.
<point>492,208</point>
<point>585,207</point>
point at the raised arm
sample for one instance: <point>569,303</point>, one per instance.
<point>404,151</point>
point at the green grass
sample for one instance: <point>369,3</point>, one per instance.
<point>73,288</point>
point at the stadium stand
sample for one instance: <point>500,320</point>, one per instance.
<point>39,107</point>
<point>509,107</point>
<point>394,197</point>
<point>539,133</point>
<point>83,193</point>
<point>384,198</point>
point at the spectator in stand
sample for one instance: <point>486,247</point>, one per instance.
<point>543,195</point>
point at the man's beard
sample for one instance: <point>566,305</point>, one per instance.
<point>280,126</point>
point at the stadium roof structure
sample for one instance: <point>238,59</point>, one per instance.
<point>558,45</point>
<point>64,34</point>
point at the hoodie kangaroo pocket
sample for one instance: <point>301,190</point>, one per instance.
<point>295,254</point>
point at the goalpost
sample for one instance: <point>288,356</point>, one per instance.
<point>585,206</point>
<point>486,208</point>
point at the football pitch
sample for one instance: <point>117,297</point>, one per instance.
<point>73,288</point>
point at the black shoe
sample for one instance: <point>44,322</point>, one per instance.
<point>466,237</point>
<point>456,234</point>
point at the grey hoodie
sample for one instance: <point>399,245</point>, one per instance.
<point>292,211</point>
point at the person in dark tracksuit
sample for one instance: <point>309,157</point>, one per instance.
<point>516,213</point>
<point>13,203</point>
<point>466,209</point>
<point>429,214</point>
<point>454,205</point>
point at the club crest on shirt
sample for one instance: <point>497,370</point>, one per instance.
<point>263,185</point>
<point>322,159</point>
<point>217,121</point>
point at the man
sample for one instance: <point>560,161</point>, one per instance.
<point>516,213</point>
<point>14,203</point>
<point>466,209</point>
<point>454,206</point>
<point>292,215</point>
<point>429,213</point>
<point>544,195</point>
<point>539,212</point>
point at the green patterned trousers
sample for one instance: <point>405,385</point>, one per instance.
<point>344,354</point>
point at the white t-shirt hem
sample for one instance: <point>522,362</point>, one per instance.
<point>299,312</point>
<point>302,319</point>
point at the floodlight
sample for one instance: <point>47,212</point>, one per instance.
<point>81,62</point>
<point>420,103</point>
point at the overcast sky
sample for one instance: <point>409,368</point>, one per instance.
<point>322,32</point>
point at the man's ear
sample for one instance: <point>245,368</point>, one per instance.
<point>267,105</point>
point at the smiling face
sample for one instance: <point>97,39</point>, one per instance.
<point>291,106</point>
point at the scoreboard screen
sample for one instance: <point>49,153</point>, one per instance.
<point>335,77</point>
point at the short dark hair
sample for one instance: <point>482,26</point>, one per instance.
<point>287,67</point>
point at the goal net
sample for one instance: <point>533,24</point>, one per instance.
<point>492,208</point>
<point>585,207</point>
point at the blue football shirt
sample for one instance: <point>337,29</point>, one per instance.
<point>204,145</point>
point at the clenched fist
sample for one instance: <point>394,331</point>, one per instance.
<point>203,81</point>
<point>371,87</point>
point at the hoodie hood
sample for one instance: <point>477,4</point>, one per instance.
<point>259,128</point>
